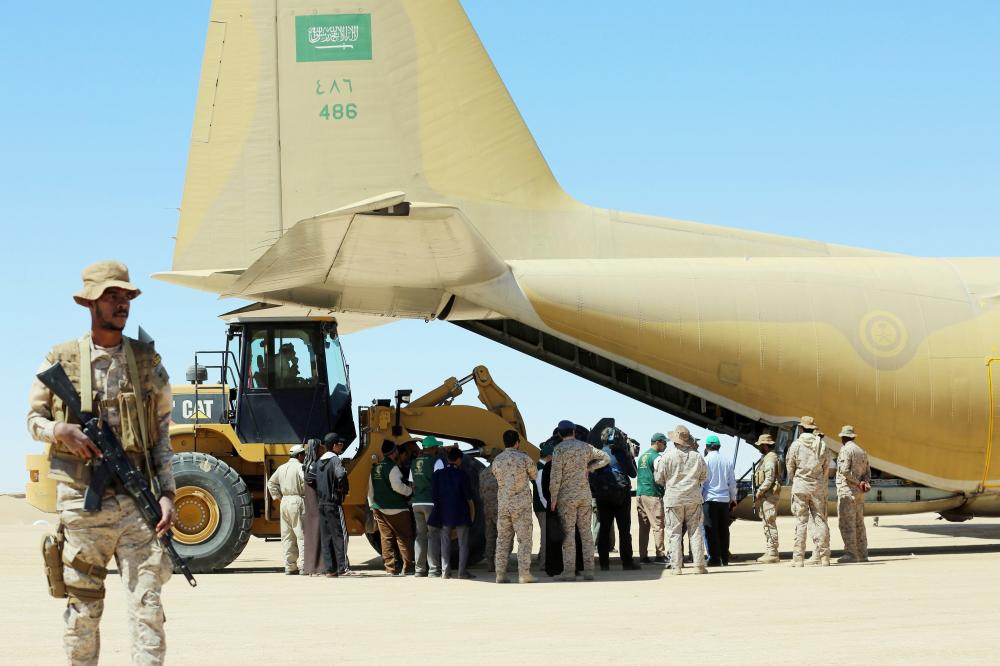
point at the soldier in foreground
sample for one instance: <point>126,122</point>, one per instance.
<point>807,461</point>
<point>681,471</point>
<point>569,488</point>
<point>853,481</point>
<point>287,484</point>
<point>515,473</point>
<point>767,480</point>
<point>122,381</point>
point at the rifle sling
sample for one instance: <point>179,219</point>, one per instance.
<point>140,405</point>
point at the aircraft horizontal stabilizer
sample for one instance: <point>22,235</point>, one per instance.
<point>365,258</point>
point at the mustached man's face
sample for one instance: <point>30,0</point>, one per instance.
<point>110,311</point>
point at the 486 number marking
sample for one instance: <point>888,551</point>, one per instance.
<point>339,111</point>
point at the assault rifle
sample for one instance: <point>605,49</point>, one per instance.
<point>113,464</point>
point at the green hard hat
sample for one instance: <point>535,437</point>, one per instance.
<point>712,440</point>
<point>430,442</point>
<point>658,437</point>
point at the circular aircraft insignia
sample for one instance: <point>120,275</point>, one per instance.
<point>882,333</point>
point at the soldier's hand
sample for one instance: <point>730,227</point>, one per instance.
<point>553,505</point>
<point>71,436</point>
<point>167,519</point>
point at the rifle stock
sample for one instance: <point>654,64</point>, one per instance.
<point>114,463</point>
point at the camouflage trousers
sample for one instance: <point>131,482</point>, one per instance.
<point>490,525</point>
<point>650,513</point>
<point>117,530</point>
<point>676,517</point>
<point>574,514</point>
<point>769,520</point>
<point>810,511</point>
<point>851,519</point>
<point>513,520</point>
<point>292,514</point>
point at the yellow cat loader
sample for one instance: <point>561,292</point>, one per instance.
<point>282,380</point>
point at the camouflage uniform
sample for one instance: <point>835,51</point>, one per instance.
<point>569,486</point>
<point>852,469</point>
<point>488,494</point>
<point>514,471</point>
<point>118,529</point>
<point>288,485</point>
<point>807,461</point>
<point>681,471</point>
<point>768,491</point>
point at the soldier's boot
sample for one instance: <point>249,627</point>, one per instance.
<point>813,559</point>
<point>768,558</point>
<point>502,578</point>
<point>588,575</point>
<point>824,561</point>
<point>847,558</point>
<point>567,576</point>
<point>701,570</point>
<point>797,561</point>
<point>527,578</point>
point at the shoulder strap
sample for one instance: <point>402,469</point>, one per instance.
<point>140,407</point>
<point>86,378</point>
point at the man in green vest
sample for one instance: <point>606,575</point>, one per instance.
<point>428,544</point>
<point>388,496</point>
<point>123,382</point>
<point>649,501</point>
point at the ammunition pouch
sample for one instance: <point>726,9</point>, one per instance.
<point>52,550</point>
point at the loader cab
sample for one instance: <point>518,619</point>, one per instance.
<point>293,382</point>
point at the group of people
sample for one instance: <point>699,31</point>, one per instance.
<point>420,506</point>
<point>311,487</point>
<point>807,463</point>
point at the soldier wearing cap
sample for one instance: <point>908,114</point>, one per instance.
<point>807,461</point>
<point>124,383</point>
<point>287,485</point>
<point>649,501</point>
<point>428,542</point>
<point>853,481</point>
<point>682,471</point>
<point>767,489</point>
<point>569,489</point>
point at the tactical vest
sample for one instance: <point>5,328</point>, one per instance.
<point>423,470</point>
<point>645,486</point>
<point>758,476</point>
<point>138,425</point>
<point>384,495</point>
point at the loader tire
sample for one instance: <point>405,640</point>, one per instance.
<point>214,512</point>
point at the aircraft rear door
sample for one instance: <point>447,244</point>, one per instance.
<point>991,473</point>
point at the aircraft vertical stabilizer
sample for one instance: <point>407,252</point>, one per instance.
<point>313,105</point>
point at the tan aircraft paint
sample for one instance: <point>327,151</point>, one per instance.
<point>771,326</point>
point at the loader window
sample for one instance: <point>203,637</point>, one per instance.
<point>336,367</point>
<point>295,361</point>
<point>257,377</point>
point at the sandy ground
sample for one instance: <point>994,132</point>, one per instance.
<point>929,595</point>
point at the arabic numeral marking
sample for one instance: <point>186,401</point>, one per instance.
<point>339,111</point>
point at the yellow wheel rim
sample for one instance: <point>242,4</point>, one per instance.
<point>197,515</point>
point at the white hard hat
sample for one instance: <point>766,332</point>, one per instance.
<point>296,450</point>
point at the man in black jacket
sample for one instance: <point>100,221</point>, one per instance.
<point>331,488</point>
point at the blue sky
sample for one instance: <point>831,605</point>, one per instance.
<point>870,124</point>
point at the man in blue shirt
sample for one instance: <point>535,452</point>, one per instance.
<point>719,491</point>
<point>454,508</point>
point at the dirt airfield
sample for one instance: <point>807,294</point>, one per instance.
<point>929,595</point>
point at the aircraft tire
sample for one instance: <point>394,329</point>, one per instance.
<point>214,512</point>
